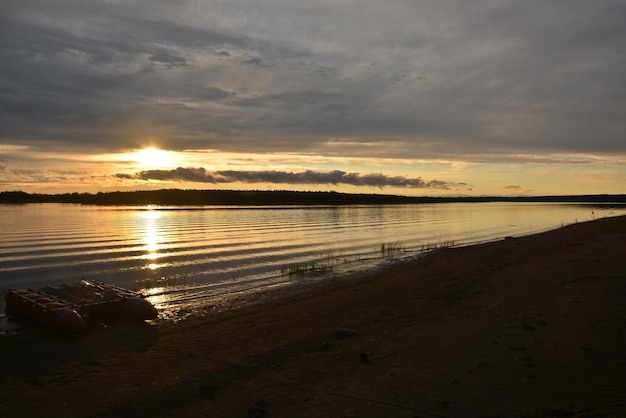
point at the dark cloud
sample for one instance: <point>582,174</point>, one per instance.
<point>444,78</point>
<point>335,177</point>
<point>170,61</point>
<point>213,93</point>
<point>255,62</point>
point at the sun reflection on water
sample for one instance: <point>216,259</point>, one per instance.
<point>157,296</point>
<point>151,238</point>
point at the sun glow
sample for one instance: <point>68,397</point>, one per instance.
<point>154,158</point>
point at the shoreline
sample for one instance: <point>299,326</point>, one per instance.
<point>266,292</point>
<point>186,266</point>
<point>527,326</point>
<point>177,197</point>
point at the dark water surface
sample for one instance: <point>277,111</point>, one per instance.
<point>181,255</point>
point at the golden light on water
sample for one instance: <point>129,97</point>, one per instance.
<point>151,238</point>
<point>157,296</point>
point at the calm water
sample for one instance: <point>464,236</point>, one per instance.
<point>180,255</point>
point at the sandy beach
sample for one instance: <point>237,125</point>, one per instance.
<point>532,326</point>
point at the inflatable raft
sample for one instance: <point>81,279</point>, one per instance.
<point>68,308</point>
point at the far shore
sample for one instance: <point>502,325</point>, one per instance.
<point>527,327</point>
<point>178,197</point>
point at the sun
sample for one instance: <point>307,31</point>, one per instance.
<point>154,158</point>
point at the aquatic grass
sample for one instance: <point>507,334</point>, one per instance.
<point>427,247</point>
<point>329,260</point>
<point>391,250</point>
<point>302,269</point>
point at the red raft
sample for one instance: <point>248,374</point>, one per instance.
<point>68,308</point>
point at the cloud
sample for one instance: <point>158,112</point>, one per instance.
<point>517,189</point>
<point>335,177</point>
<point>170,61</point>
<point>213,94</point>
<point>454,77</point>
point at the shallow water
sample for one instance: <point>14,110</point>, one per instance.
<point>181,255</point>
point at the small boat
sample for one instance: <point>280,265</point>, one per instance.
<point>68,308</point>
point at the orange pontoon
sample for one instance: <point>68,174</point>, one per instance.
<point>68,308</point>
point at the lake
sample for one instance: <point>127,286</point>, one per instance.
<point>183,255</point>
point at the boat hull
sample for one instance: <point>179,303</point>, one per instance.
<point>45,311</point>
<point>69,308</point>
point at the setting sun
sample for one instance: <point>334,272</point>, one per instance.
<point>154,158</point>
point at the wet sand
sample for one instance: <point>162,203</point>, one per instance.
<point>524,327</point>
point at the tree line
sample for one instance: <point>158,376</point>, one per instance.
<point>265,197</point>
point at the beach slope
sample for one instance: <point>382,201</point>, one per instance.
<point>532,326</point>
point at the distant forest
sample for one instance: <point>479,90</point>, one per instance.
<point>260,198</point>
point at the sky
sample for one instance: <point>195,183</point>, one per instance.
<point>410,97</point>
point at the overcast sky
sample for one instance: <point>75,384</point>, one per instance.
<point>481,96</point>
